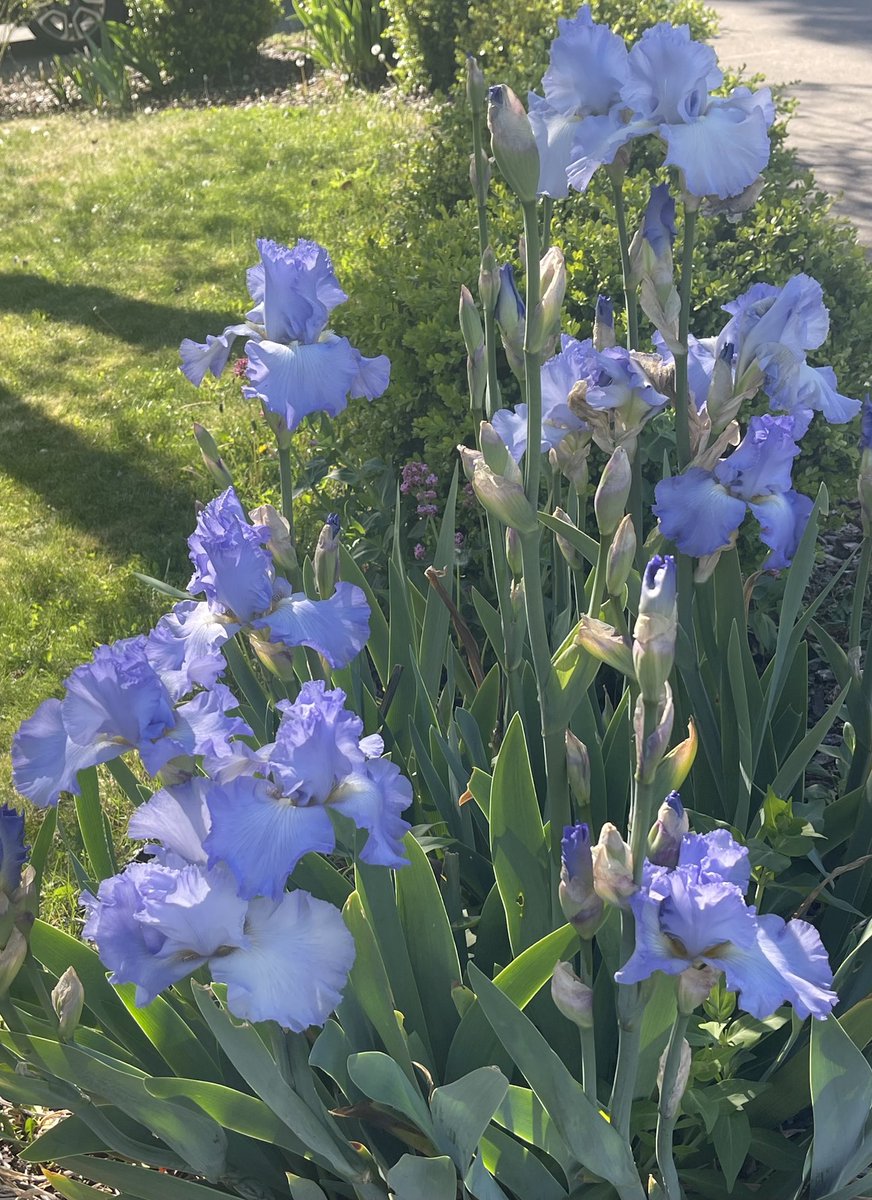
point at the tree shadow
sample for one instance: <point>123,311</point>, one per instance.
<point>131,508</point>
<point>139,322</point>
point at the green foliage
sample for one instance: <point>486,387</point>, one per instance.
<point>427,37</point>
<point>348,35</point>
<point>211,39</point>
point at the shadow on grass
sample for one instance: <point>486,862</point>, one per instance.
<point>132,510</point>
<point>140,322</point>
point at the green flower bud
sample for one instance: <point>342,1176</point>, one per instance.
<point>566,547</point>
<point>650,749</point>
<point>675,767</point>
<point>622,552</point>
<point>604,643</point>
<point>571,997</point>
<point>610,498</point>
<point>513,553</point>
<point>476,88</point>
<point>488,281</point>
<point>496,453</point>
<point>671,1103</point>
<point>68,1000</point>
<point>213,461</point>
<point>326,560</point>
<point>12,958</point>
<point>279,545</point>
<point>656,627</point>
<point>571,457</point>
<point>470,322</point>
<point>613,868</point>
<point>514,146</point>
<point>578,769</point>
<point>545,322</point>
<point>664,838</point>
<point>479,174</point>
<point>504,499</point>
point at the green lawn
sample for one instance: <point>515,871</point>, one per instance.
<point>117,239</point>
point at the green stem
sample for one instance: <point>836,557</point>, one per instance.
<point>667,1114</point>
<point>598,583</point>
<point>630,301</point>
<point>682,415</point>
<point>492,395</point>
<point>547,213</point>
<point>860,591</point>
<point>532,360</point>
<point>287,487</point>
<point>588,1036</point>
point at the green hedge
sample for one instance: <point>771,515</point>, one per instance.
<point>406,301</point>
<point>197,39</point>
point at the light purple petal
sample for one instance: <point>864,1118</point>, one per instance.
<point>696,512</point>
<point>670,75</point>
<point>373,377</point>
<point>184,647</point>
<point>597,141</point>
<point>300,290</point>
<point>177,818</point>
<point>782,519</point>
<point>555,135</point>
<point>374,798</point>
<point>588,66</point>
<point>296,381</point>
<point>45,761</point>
<point>721,152</point>
<point>198,358</point>
<point>762,462</point>
<point>338,628</point>
<point>716,853</point>
<point>316,744</point>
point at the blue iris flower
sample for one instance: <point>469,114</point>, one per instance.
<point>700,511</point>
<point>235,571</point>
<point>719,143</point>
<point>695,915</point>
<point>117,703</point>
<point>296,365</point>
<point>284,959</point>
<point>264,819</point>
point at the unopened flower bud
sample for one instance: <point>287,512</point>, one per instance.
<point>470,322</point>
<point>326,561</point>
<point>213,461</point>
<point>675,767</point>
<point>604,324</point>
<point>545,321</point>
<point>279,545</point>
<point>694,987</point>
<point>488,281</point>
<point>864,482</point>
<point>468,460</point>
<point>513,553</point>
<point>68,1000</point>
<point>514,146</point>
<point>566,547</point>
<point>610,498</point>
<point>582,907</point>
<point>12,958</point>
<point>721,402</point>
<point>651,745</point>
<point>476,88</point>
<point>664,839</point>
<point>603,642</point>
<point>496,453</point>
<point>656,627</point>
<point>622,552</point>
<point>613,867</point>
<point>518,599</point>
<point>571,455</point>
<point>504,499</point>
<point>571,997</point>
<point>479,173</point>
<point>278,659</point>
<point>670,1104</point>
<point>578,769</point>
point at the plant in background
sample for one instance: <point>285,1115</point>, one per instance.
<point>349,37</point>
<point>375,832</point>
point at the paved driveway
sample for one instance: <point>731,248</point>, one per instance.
<point>823,50</point>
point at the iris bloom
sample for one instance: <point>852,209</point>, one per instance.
<point>116,703</point>
<point>296,365</point>
<point>267,813</point>
<point>13,851</point>
<point>700,511</point>
<point>696,915</point>
<point>284,959</point>
<point>235,572</point>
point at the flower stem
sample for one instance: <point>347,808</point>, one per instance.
<point>547,213</point>
<point>682,416</point>
<point>588,1036</point>
<point>630,302</point>
<point>860,591</point>
<point>287,486</point>
<point>667,1113</point>
<point>532,357</point>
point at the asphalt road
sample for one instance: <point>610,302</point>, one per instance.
<point>822,49</point>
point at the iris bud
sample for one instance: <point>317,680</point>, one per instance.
<point>503,499</point>
<point>604,324</point>
<point>582,907</point>
<point>488,281</point>
<point>12,958</point>
<point>651,747</point>
<point>545,321</point>
<point>571,456</point>
<point>518,598</point>
<point>510,317</point>
<point>279,545</point>
<point>571,997</point>
<point>694,987</point>
<point>613,867</point>
<point>721,404</point>
<point>670,1104</point>
<point>864,483</point>
<point>514,146</point>
<point>470,322</point>
<point>604,643</point>
<point>621,555</point>
<point>326,562</point>
<point>68,1000</point>
<point>675,767</point>
<point>656,627</point>
<point>496,453</point>
<point>578,769</point>
<point>476,88</point>
<point>213,461</point>
<point>468,460</point>
<point>610,498</point>
<point>664,840</point>
<point>513,553</point>
<point>566,547</point>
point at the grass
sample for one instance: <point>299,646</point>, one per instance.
<point>118,239</point>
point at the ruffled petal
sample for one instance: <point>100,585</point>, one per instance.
<point>717,853</point>
<point>588,66</point>
<point>206,725</point>
<point>762,462</point>
<point>817,389</point>
<point>373,376</point>
<point>597,141</point>
<point>184,647</point>
<point>294,966</point>
<point>374,799</point>
<point>232,566</point>
<point>721,152</point>
<point>296,381</point>
<point>696,512</point>
<point>198,358</point>
<point>795,949</point>
<point>45,761</point>
<point>555,134</point>
<point>262,835</point>
<point>782,519</point>
<point>316,744</point>
<point>200,916</point>
<point>177,818</point>
<point>300,290</point>
<point>338,628</point>
<point>670,76</point>
<point>512,428</point>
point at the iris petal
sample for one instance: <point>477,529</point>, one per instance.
<point>696,512</point>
